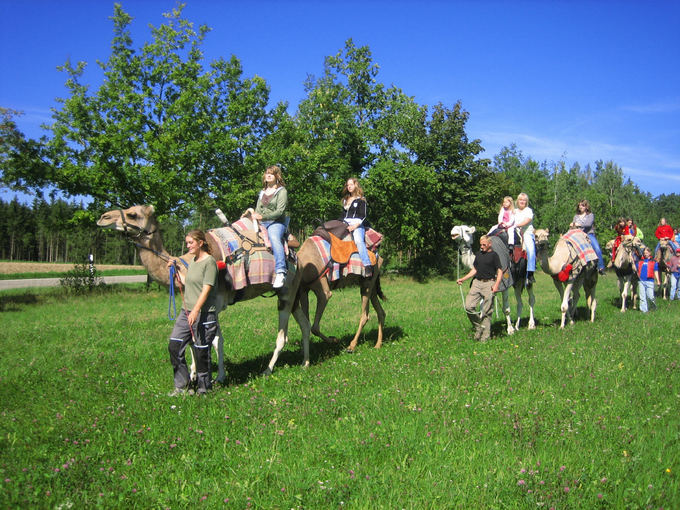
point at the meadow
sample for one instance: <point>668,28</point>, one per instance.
<point>585,417</point>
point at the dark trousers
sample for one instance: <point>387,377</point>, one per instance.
<point>204,330</point>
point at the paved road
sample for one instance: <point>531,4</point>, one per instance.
<point>54,282</point>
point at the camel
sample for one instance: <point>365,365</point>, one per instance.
<point>139,224</point>
<point>312,270</point>
<point>663,257</point>
<point>579,276</point>
<point>464,235</point>
<point>624,267</point>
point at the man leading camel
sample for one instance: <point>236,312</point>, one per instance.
<point>487,273</point>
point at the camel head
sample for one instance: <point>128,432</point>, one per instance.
<point>136,221</point>
<point>541,235</point>
<point>463,233</point>
<point>610,245</point>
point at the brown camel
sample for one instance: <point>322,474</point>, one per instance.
<point>464,236</point>
<point>313,275</point>
<point>624,267</point>
<point>139,224</point>
<point>580,275</point>
<point>663,257</point>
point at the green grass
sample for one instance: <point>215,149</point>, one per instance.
<point>586,417</point>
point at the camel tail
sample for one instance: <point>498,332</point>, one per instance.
<point>378,289</point>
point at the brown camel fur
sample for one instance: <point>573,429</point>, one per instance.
<point>663,257</point>
<point>139,224</point>
<point>624,267</point>
<point>312,271</point>
<point>580,275</point>
<point>463,235</point>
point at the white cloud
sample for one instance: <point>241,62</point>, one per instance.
<point>654,108</point>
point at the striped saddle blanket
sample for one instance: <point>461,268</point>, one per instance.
<point>579,240</point>
<point>253,265</point>
<point>354,266</point>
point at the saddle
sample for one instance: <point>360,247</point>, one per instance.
<point>341,250</point>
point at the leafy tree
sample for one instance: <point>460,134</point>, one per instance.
<point>23,165</point>
<point>160,129</point>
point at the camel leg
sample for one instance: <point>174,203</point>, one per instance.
<point>380,313</point>
<point>218,345</point>
<point>363,319</point>
<point>305,328</point>
<point>281,339</point>
<point>564,297</point>
<point>573,302</point>
<point>506,311</point>
<point>323,294</point>
<point>591,296</point>
<point>520,305</point>
<point>532,301</point>
<point>624,294</point>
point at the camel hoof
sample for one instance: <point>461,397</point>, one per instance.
<point>349,350</point>
<point>511,331</point>
<point>267,372</point>
<point>532,326</point>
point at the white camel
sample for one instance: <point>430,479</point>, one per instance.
<point>464,235</point>
<point>139,224</point>
<point>578,275</point>
<point>624,267</point>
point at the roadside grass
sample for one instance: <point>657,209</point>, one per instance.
<point>61,274</point>
<point>585,417</point>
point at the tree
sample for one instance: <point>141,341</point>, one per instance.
<point>160,129</point>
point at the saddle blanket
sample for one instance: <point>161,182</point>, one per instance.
<point>260,261</point>
<point>337,271</point>
<point>581,243</point>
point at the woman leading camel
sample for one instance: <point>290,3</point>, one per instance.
<point>524,220</point>
<point>585,220</point>
<point>271,210</point>
<point>197,322</point>
<point>354,206</point>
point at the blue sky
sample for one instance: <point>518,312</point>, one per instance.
<point>573,80</point>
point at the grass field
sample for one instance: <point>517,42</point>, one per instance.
<point>587,417</point>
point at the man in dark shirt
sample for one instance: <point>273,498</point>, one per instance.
<point>487,274</point>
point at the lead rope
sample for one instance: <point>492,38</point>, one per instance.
<point>173,269</point>
<point>172,307</point>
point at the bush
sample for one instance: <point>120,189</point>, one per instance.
<point>82,278</point>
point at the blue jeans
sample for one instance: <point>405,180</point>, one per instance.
<point>646,293</point>
<point>359,236</point>
<point>675,286</point>
<point>276,231</point>
<point>530,248</point>
<point>598,250</point>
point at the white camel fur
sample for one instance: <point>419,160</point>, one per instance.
<point>139,224</point>
<point>580,275</point>
<point>624,267</point>
<point>463,234</point>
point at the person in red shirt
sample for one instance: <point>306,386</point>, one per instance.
<point>664,232</point>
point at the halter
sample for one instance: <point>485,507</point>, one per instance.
<point>128,228</point>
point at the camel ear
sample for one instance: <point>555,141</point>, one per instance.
<point>472,230</point>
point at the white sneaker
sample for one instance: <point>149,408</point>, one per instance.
<point>278,280</point>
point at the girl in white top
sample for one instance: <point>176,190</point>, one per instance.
<point>524,219</point>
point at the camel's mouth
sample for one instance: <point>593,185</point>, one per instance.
<point>455,236</point>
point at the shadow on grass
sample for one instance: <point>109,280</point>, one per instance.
<point>319,351</point>
<point>15,303</point>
